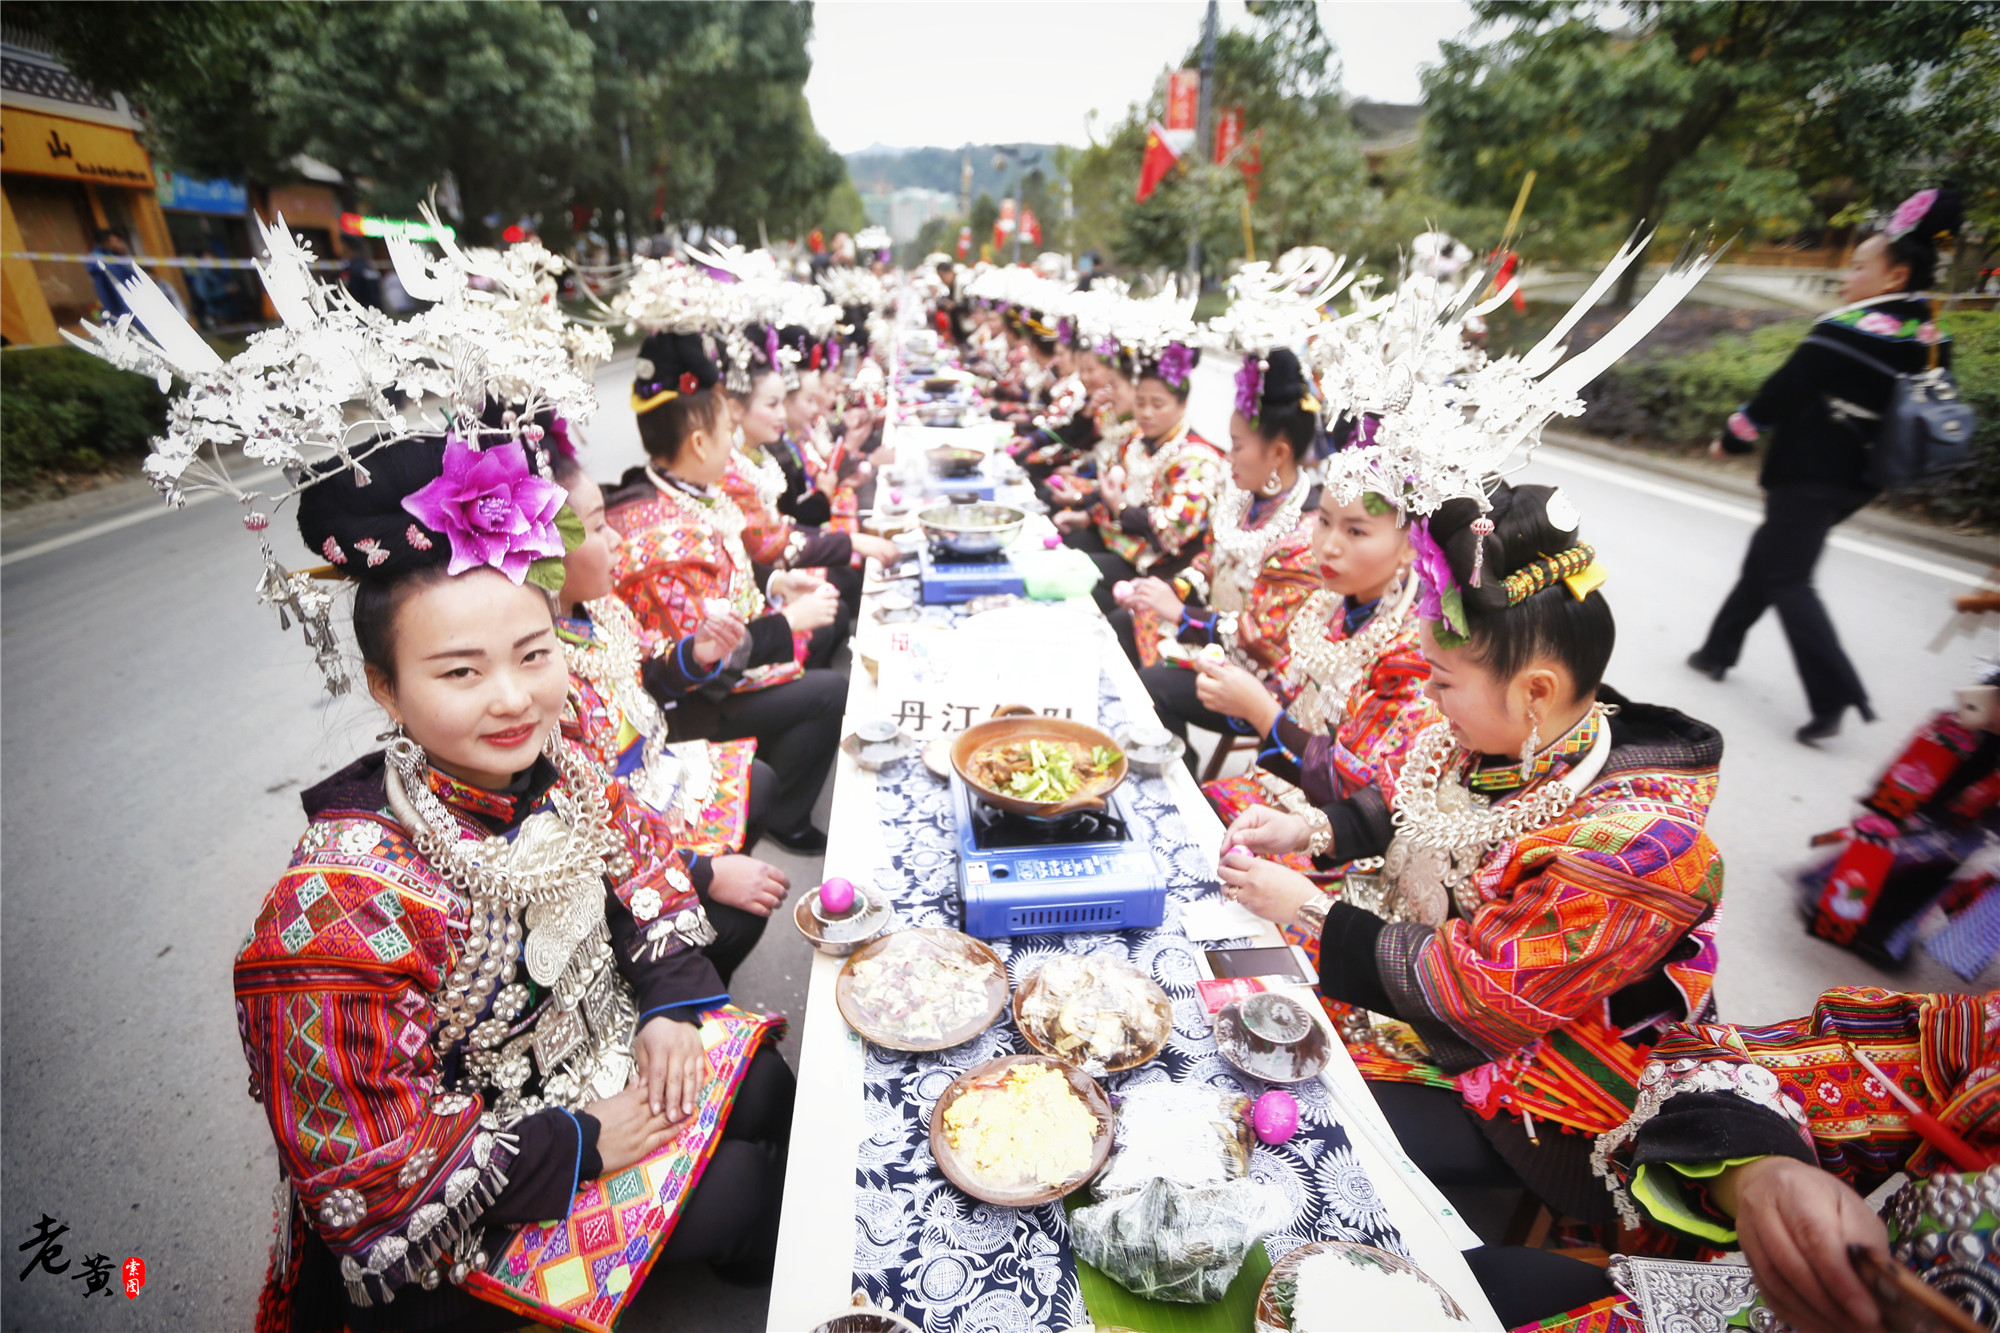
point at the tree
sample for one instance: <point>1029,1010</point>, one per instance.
<point>197,72</point>
<point>1692,113</point>
<point>844,210</point>
<point>496,93</point>
<point>700,114</point>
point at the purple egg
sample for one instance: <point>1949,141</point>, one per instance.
<point>837,896</point>
<point>1275,1117</point>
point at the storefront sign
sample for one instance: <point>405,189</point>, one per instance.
<point>78,150</point>
<point>354,224</point>
<point>184,194</point>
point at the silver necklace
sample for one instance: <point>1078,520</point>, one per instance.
<point>764,475</point>
<point>1444,831</point>
<point>1326,671</point>
<point>1239,551</point>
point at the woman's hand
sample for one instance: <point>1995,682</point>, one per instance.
<point>879,549</point>
<point>718,637</point>
<point>1795,1223</point>
<point>1157,596</point>
<point>1111,488</point>
<point>1070,520</point>
<point>672,1065</point>
<point>747,883</point>
<point>1234,692</point>
<point>1267,832</point>
<point>816,607</point>
<point>628,1131</point>
<point>1272,891</point>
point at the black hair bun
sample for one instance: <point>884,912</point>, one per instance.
<point>665,357</point>
<point>1284,384</point>
<point>364,530</point>
<point>1522,533</point>
<point>1944,217</point>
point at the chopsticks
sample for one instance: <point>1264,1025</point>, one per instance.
<point>1933,1131</point>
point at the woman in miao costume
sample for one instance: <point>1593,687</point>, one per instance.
<point>682,562</point>
<point>1151,514</point>
<point>1548,893</point>
<point>1243,592</point>
<point>480,983</point>
<point>714,796</point>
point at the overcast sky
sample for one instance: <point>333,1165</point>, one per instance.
<point>947,72</point>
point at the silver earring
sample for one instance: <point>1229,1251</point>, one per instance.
<point>393,734</point>
<point>1272,485</point>
<point>1531,746</point>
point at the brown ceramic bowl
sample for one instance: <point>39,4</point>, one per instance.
<point>1012,730</point>
<point>959,1171</point>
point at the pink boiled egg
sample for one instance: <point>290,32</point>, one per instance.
<point>837,896</point>
<point>1275,1117</point>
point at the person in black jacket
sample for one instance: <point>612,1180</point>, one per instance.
<point>1819,412</point>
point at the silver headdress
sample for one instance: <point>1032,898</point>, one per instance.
<point>336,381</point>
<point>1451,421</point>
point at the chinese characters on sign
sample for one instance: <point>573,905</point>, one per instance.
<point>939,684</point>
<point>94,1271</point>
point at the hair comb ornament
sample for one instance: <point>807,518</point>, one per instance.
<point>335,383</point>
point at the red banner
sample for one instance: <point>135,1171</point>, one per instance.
<point>1183,98</point>
<point>964,243</point>
<point>1003,226</point>
<point>1251,163</point>
<point>1031,227</point>
<point>1228,133</point>
<point>1159,160</point>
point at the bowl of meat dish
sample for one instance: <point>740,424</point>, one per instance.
<point>1040,766</point>
<point>971,529</point>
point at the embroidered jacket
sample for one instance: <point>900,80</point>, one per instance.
<point>1254,622</point>
<point>1719,1093</point>
<point>671,565</point>
<point>773,539</point>
<point>393,1170</point>
<point>1168,518</point>
<point>1588,934</point>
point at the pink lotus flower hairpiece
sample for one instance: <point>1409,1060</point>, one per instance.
<point>1175,363</point>
<point>1909,213</point>
<point>492,508</point>
<point>1438,597</point>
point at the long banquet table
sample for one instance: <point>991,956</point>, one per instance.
<point>822,1231</point>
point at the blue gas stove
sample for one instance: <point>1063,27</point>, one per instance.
<point>1085,871</point>
<point>949,578</point>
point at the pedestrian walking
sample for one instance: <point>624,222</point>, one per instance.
<point>1816,415</point>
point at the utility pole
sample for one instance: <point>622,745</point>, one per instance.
<point>1204,109</point>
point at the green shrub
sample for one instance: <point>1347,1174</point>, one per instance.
<point>1682,398</point>
<point>63,410</point>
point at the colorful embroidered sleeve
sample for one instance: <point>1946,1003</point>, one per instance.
<point>1592,906</point>
<point>332,1001</point>
<point>1264,626</point>
<point>1178,507</point>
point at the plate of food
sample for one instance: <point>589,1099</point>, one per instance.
<point>924,989</point>
<point>1021,1130</point>
<point>1101,1014</point>
<point>1040,766</point>
<point>1338,1286</point>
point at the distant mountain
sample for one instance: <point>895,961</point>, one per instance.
<point>879,169</point>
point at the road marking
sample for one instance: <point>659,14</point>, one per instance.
<point>126,520</point>
<point>1890,555</point>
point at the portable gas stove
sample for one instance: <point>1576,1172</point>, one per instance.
<point>950,578</point>
<point>1018,875</point>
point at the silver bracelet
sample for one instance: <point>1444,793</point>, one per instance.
<point>1311,916</point>
<point>1321,829</point>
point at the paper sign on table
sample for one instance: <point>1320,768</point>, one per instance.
<point>941,684</point>
<point>1218,919</point>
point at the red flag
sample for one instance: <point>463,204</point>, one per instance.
<point>964,242</point>
<point>1031,227</point>
<point>1228,133</point>
<point>1159,160</point>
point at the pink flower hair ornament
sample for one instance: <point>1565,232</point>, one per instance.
<point>1438,599</point>
<point>1175,364</point>
<point>1249,387</point>
<point>1909,213</point>
<point>495,511</point>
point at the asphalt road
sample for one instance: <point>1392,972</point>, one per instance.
<point>155,731</point>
